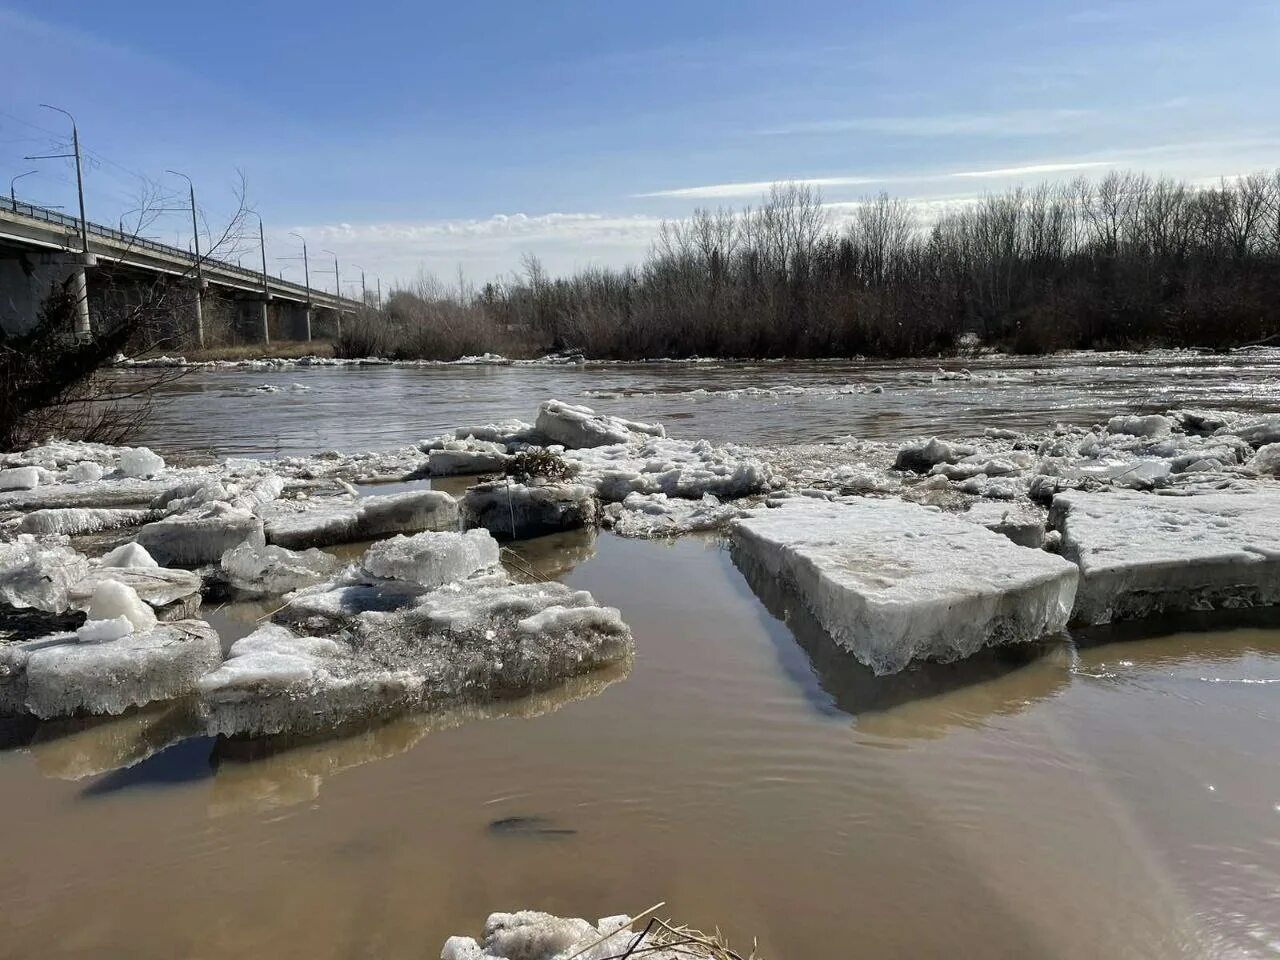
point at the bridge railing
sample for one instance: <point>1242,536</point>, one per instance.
<point>58,218</point>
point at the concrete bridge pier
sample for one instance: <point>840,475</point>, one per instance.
<point>28,278</point>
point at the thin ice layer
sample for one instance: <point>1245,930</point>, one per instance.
<point>59,675</point>
<point>895,582</point>
<point>1141,554</point>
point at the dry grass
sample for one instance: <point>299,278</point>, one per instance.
<point>663,940</point>
<point>276,350</point>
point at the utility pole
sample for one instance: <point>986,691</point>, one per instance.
<point>379,293</point>
<point>79,281</point>
<point>306,278</point>
<point>195,233</point>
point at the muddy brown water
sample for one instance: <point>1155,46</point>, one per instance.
<point>1115,793</point>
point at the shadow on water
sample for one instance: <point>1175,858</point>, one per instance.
<point>920,701</point>
<point>265,773</point>
<point>188,761</point>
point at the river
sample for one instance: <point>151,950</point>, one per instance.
<point>1111,794</point>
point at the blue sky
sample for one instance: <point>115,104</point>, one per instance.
<point>437,135</point>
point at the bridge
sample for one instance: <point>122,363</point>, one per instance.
<point>41,248</point>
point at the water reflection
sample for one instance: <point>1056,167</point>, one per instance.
<point>551,557</point>
<point>266,773</point>
<point>75,748</point>
<point>927,699</point>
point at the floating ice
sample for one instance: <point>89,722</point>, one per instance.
<point>895,582</point>
<point>657,515</point>
<point>256,569</point>
<point>316,523</point>
<point>172,594</point>
<point>140,462</point>
<point>455,457</point>
<point>575,427</point>
<point>483,641</point>
<point>84,472</point>
<point>677,468</point>
<point>432,559</point>
<point>103,631</point>
<point>39,573</point>
<point>520,511</point>
<point>112,599</point>
<point>1142,554</point>
<point>19,478</point>
<point>200,536</point>
<point>1020,522</point>
<point>128,555</point>
<point>59,675</point>
<point>531,935</point>
<point>1266,461</point>
<point>1152,425</point>
<point>923,457</point>
<point>81,520</point>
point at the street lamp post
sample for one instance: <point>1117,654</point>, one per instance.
<point>306,277</point>
<point>266,290</point>
<point>195,233</point>
<point>80,282</point>
<point>13,200</point>
<point>364,291</point>
<point>337,291</point>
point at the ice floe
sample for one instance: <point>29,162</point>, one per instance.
<point>1143,554</point>
<point>60,675</point>
<point>520,511</point>
<point>299,524</point>
<point>895,582</point>
<point>575,427</point>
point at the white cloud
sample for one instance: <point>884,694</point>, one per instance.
<point>1034,169</point>
<point>1019,123</point>
<point>722,191</point>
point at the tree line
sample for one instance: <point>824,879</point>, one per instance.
<point>1125,261</point>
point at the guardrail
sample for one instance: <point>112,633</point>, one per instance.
<point>46,215</point>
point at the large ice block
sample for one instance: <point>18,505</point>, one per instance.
<point>895,582</point>
<point>1142,554</point>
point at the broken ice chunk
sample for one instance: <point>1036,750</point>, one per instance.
<point>19,478</point>
<point>59,676</point>
<point>894,582</point>
<point>101,631</point>
<point>923,457</point>
<point>112,599</point>
<point>172,594</point>
<point>520,511</point>
<point>128,555</point>
<point>316,523</point>
<point>140,462</point>
<point>1141,554</point>
<point>455,457</point>
<point>575,426</point>
<point>432,559</point>
<point>201,536</point>
<point>256,569</point>
<point>76,521</point>
<point>39,573</point>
